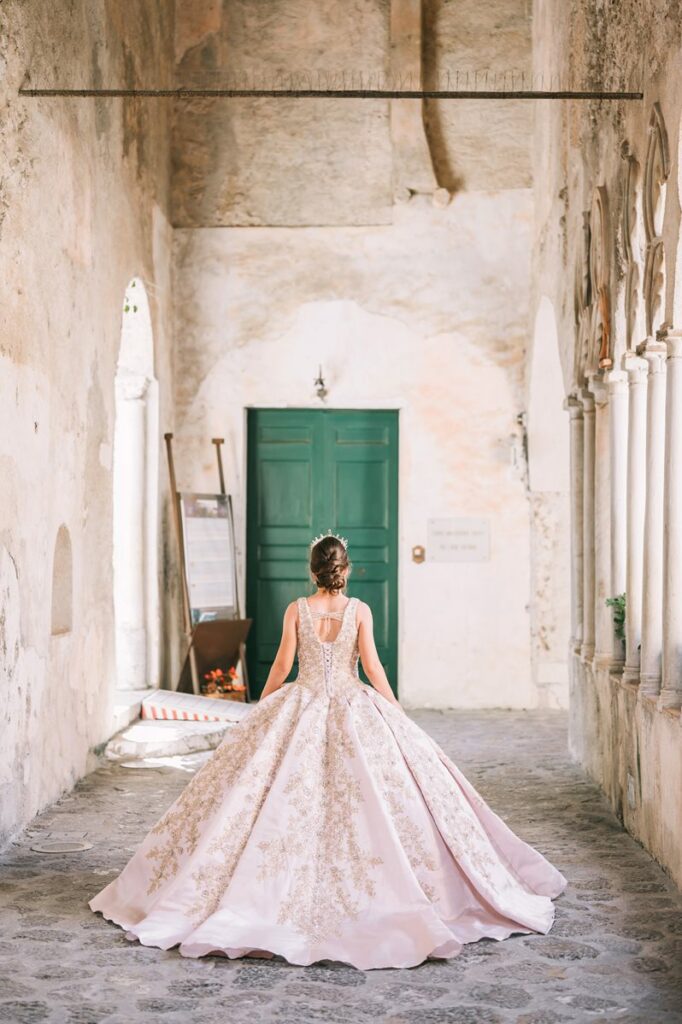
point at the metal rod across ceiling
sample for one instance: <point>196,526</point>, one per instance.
<point>352,94</point>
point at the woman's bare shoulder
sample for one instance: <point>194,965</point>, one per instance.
<point>363,612</point>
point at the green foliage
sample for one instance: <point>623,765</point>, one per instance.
<point>127,302</point>
<point>618,605</point>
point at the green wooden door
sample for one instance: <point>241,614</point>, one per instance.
<point>308,471</point>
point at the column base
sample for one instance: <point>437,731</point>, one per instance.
<point>669,698</point>
<point>649,685</point>
<point>587,652</point>
<point>631,674</point>
<point>575,645</point>
<point>603,659</point>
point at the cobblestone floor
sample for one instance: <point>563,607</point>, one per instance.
<point>614,953</point>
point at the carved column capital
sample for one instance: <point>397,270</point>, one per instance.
<point>599,388</point>
<point>573,406</point>
<point>673,341</point>
<point>617,383</point>
<point>587,400</point>
<point>131,387</point>
<point>655,351</point>
<point>636,368</point>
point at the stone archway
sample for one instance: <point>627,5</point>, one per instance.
<point>548,482</point>
<point>135,495</point>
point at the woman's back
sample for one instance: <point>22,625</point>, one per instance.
<point>327,646</point>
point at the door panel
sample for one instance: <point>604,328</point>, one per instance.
<point>285,492</point>
<point>361,493</point>
<point>309,471</point>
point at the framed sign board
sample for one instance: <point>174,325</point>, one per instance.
<point>458,540</point>
<point>209,550</point>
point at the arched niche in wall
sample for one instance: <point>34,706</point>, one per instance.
<point>548,441</point>
<point>600,354</point>
<point>633,248</point>
<point>62,584</point>
<point>656,172</point>
<point>135,497</point>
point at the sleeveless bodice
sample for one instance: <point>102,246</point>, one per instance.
<point>328,666</point>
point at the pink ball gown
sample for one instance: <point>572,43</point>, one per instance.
<point>328,825</point>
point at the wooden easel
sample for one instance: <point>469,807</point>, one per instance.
<point>206,641</point>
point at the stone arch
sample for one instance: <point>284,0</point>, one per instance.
<point>656,173</point>
<point>62,584</point>
<point>135,497</point>
<point>600,355</point>
<point>581,304</point>
<point>633,248</point>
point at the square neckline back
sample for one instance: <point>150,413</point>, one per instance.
<point>312,623</point>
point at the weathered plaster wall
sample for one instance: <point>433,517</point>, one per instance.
<point>479,44</point>
<point>328,161</point>
<point>83,208</point>
<point>426,316</point>
<point>630,747</point>
<point>410,307</point>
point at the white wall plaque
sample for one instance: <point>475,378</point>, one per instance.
<point>458,540</point>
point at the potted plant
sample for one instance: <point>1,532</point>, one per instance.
<point>617,603</point>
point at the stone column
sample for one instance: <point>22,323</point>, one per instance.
<point>587,647</point>
<point>575,410</point>
<point>603,618</point>
<point>129,532</point>
<point>652,594</point>
<point>671,690</point>
<point>636,494</point>
<point>618,472</point>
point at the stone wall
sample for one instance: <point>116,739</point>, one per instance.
<point>291,250</point>
<point>290,247</point>
<point>83,209</point>
<point>628,739</point>
<point>329,161</point>
<point>425,316</point>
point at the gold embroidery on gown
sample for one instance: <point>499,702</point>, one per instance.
<point>250,744</point>
<point>324,795</point>
<point>328,824</point>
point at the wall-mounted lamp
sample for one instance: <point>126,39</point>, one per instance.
<point>320,386</point>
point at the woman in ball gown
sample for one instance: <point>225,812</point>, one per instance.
<point>327,825</point>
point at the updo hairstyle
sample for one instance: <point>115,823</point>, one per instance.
<point>328,562</point>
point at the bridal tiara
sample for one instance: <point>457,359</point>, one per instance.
<point>329,533</point>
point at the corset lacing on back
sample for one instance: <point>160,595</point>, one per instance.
<point>327,645</point>
<point>328,665</point>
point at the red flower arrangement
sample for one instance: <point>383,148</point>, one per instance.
<point>218,683</point>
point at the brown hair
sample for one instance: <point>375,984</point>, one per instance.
<point>328,562</point>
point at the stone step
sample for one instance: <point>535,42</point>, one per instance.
<point>127,707</point>
<point>151,738</point>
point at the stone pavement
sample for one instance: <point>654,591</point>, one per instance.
<point>614,953</point>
